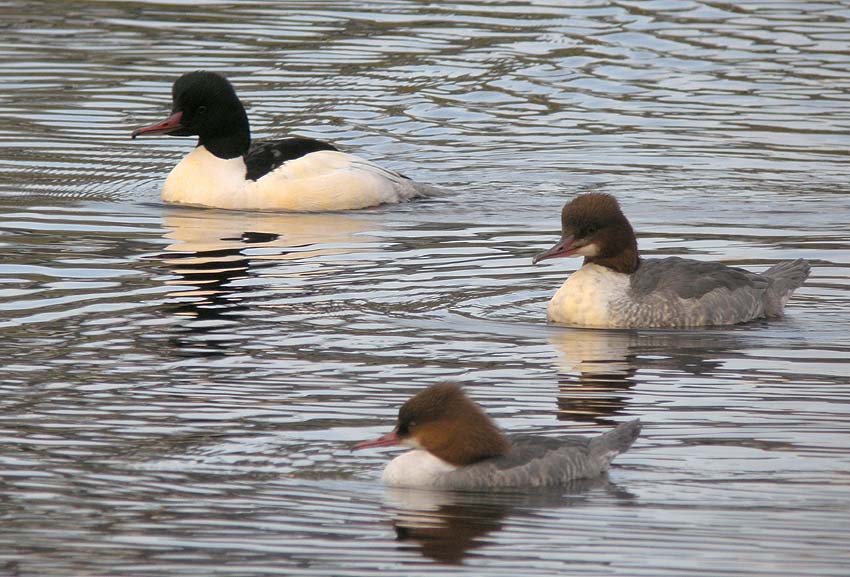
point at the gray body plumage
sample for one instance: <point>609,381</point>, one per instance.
<point>678,292</point>
<point>536,461</point>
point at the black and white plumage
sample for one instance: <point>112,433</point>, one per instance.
<point>228,170</point>
<point>267,156</point>
<point>615,288</point>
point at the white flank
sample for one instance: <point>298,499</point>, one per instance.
<point>323,180</point>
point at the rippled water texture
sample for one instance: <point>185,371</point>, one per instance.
<point>181,388</point>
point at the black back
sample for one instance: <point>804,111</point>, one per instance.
<point>267,155</point>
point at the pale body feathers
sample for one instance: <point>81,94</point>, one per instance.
<point>533,461</point>
<point>673,292</point>
<point>416,468</point>
<point>586,297</point>
<point>319,181</point>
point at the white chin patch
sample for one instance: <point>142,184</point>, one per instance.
<point>588,250</point>
<point>411,442</point>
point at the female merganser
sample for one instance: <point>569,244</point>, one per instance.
<point>457,446</point>
<point>227,170</point>
<point>615,288</point>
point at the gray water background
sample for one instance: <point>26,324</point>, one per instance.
<point>180,388</point>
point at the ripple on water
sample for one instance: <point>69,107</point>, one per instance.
<point>181,388</point>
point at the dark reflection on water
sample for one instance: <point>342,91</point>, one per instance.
<point>446,525</point>
<point>180,388</point>
<point>597,368</point>
<point>219,260</point>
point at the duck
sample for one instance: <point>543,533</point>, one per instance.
<point>616,288</point>
<point>456,446</point>
<point>230,171</point>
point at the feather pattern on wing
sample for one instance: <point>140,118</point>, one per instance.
<point>683,292</point>
<point>536,461</point>
<point>267,155</point>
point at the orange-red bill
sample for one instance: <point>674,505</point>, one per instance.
<point>167,126</point>
<point>564,247</point>
<point>387,440</point>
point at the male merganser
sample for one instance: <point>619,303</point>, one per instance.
<point>227,170</point>
<point>457,446</point>
<point>615,288</point>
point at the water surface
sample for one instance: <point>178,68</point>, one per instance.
<point>181,387</point>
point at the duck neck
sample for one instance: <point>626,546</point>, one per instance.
<point>232,139</point>
<point>627,262</point>
<point>229,146</point>
<point>465,445</point>
<point>619,249</point>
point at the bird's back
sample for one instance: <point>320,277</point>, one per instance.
<point>536,461</point>
<point>678,292</point>
<point>264,156</point>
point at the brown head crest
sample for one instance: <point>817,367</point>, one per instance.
<point>445,422</point>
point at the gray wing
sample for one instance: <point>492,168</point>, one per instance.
<point>534,461</point>
<point>692,279</point>
<point>684,292</point>
<point>407,188</point>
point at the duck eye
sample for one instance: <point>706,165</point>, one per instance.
<point>411,424</point>
<point>201,109</point>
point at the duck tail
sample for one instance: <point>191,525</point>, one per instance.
<point>615,441</point>
<point>420,190</point>
<point>785,277</point>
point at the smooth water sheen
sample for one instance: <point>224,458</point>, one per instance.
<point>181,388</point>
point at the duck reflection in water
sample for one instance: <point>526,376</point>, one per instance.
<point>446,525</point>
<point>225,262</point>
<point>597,368</point>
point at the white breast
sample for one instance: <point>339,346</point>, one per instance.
<point>322,180</point>
<point>586,298</point>
<point>203,179</point>
<point>417,468</point>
